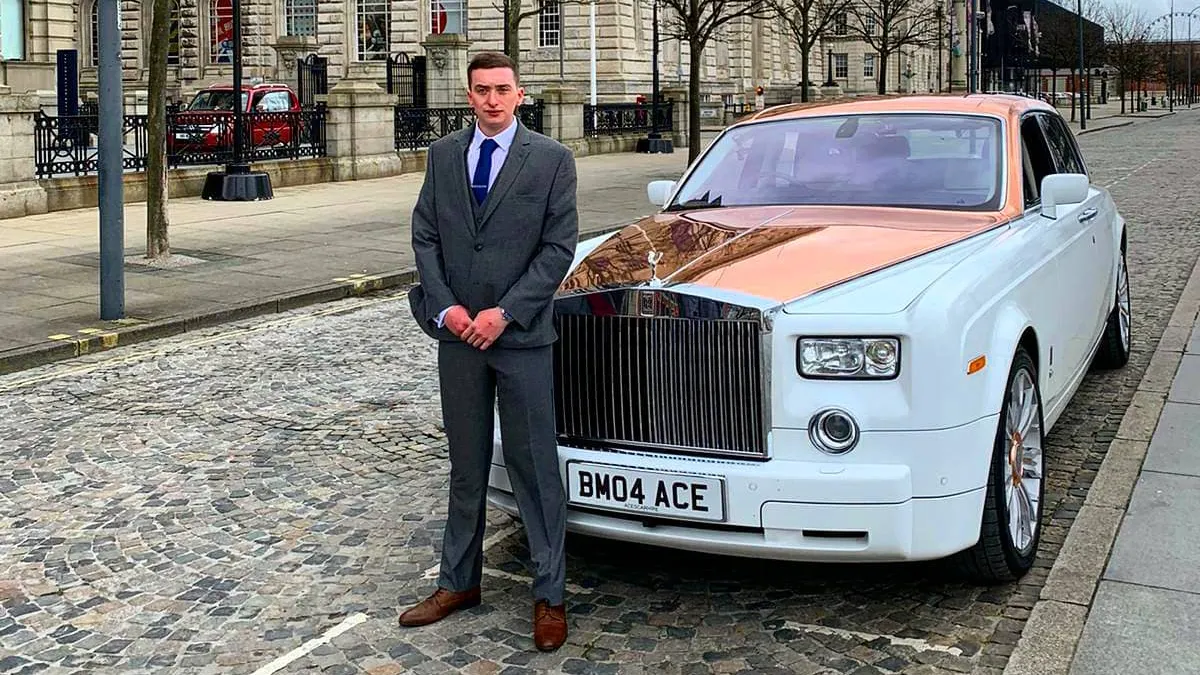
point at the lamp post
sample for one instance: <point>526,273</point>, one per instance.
<point>1082,72</point>
<point>654,142</point>
<point>237,182</point>
<point>110,150</point>
<point>829,82</point>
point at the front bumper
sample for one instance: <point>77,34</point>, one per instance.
<point>822,510</point>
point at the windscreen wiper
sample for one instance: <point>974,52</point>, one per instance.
<point>698,203</point>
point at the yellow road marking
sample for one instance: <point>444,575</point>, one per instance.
<point>89,331</point>
<point>60,336</point>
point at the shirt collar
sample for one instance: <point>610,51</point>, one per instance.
<point>503,139</point>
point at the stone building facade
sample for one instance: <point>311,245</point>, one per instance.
<point>556,45</point>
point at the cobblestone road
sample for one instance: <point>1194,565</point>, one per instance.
<point>212,503</point>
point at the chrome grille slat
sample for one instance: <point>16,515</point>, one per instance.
<point>675,385</point>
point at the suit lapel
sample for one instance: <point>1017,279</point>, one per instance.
<point>517,153</point>
<point>460,183</point>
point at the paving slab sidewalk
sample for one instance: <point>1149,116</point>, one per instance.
<point>231,259</point>
<point>1143,617</point>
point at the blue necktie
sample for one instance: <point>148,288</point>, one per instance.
<point>483,170</point>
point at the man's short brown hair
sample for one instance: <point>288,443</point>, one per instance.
<point>492,60</point>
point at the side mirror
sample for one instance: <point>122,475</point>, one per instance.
<point>659,191</point>
<point>1061,189</point>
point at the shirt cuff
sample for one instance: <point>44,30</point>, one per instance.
<point>441,319</point>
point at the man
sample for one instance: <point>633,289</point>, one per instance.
<point>494,232</point>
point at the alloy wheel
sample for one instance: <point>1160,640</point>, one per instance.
<point>1022,489</point>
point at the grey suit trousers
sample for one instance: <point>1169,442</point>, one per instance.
<point>522,380</point>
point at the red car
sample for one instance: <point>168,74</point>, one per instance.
<point>206,123</point>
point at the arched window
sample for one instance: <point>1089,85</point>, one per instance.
<point>173,35</point>
<point>12,30</point>
<point>220,31</point>
<point>373,24</point>
<point>300,17</point>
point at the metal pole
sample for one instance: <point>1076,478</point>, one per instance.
<point>1082,72</point>
<point>592,63</point>
<point>654,77</point>
<point>970,29</point>
<point>1171,60</point>
<point>237,83</point>
<point>110,150</point>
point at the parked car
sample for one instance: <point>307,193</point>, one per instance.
<point>844,337</point>
<point>206,123</point>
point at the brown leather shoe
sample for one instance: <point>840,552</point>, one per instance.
<point>438,606</point>
<point>549,625</point>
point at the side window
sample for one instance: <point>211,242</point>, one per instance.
<point>1038,161</point>
<point>1062,144</point>
<point>277,101</point>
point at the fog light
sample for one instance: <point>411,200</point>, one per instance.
<point>833,431</point>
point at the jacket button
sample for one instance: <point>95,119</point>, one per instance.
<point>478,247</point>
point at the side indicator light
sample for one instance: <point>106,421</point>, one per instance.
<point>976,365</point>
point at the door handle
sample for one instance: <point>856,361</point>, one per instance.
<point>1087,215</point>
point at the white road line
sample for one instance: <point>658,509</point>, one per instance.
<point>283,661</point>
<point>1122,178</point>
<point>495,538</point>
<point>917,644</point>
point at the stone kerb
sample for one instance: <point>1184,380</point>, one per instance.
<point>20,193</point>
<point>360,129</point>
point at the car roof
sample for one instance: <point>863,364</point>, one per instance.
<point>1003,105</point>
<point>222,86</point>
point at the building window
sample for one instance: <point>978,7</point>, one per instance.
<point>220,31</point>
<point>869,65</point>
<point>841,66</point>
<point>448,16</point>
<point>550,24</point>
<point>869,24</point>
<point>94,37</point>
<point>372,24</point>
<point>300,17</point>
<point>841,24</point>
<point>12,30</point>
<point>173,35</point>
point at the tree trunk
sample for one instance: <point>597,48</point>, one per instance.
<point>804,65</point>
<point>513,48</point>
<point>157,221</point>
<point>883,71</point>
<point>695,57</point>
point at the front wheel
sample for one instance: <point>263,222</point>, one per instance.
<point>1118,332</point>
<point>1010,528</point>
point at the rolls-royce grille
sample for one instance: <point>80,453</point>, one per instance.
<point>677,385</point>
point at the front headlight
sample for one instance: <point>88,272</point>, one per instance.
<point>849,358</point>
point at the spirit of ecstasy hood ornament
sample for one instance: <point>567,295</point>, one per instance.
<point>653,257</point>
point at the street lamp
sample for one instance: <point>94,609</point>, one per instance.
<point>830,82</point>
<point>237,182</point>
<point>654,142</point>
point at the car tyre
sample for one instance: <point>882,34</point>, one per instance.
<point>1010,527</point>
<point>1118,332</point>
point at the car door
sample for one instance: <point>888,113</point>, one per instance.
<point>1096,222</point>
<point>1038,265</point>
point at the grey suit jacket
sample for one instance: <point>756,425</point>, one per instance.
<point>512,251</point>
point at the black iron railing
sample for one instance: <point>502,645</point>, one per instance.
<point>621,118</point>
<point>417,128</point>
<point>66,145</point>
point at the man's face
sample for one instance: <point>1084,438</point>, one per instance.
<point>494,94</point>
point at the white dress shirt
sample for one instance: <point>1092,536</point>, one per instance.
<point>503,140</point>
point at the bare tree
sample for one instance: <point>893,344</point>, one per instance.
<point>516,11</point>
<point>158,244</point>
<point>1126,29</point>
<point>696,22</point>
<point>808,21</point>
<point>887,26</point>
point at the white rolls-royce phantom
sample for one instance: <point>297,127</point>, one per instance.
<point>844,337</point>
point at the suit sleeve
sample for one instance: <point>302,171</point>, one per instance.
<point>560,233</point>
<point>427,248</point>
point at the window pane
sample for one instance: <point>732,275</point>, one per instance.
<point>220,31</point>
<point>12,29</point>
<point>549,24</point>
<point>448,16</point>
<point>300,17</point>
<point>373,26</point>
<point>929,161</point>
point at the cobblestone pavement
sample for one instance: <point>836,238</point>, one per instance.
<point>211,503</point>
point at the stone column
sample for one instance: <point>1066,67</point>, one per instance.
<point>446,72</point>
<point>958,47</point>
<point>679,115</point>
<point>20,193</point>
<point>360,127</point>
<point>563,119</point>
<point>288,49</point>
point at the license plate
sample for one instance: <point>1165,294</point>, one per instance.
<point>183,136</point>
<point>652,493</point>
